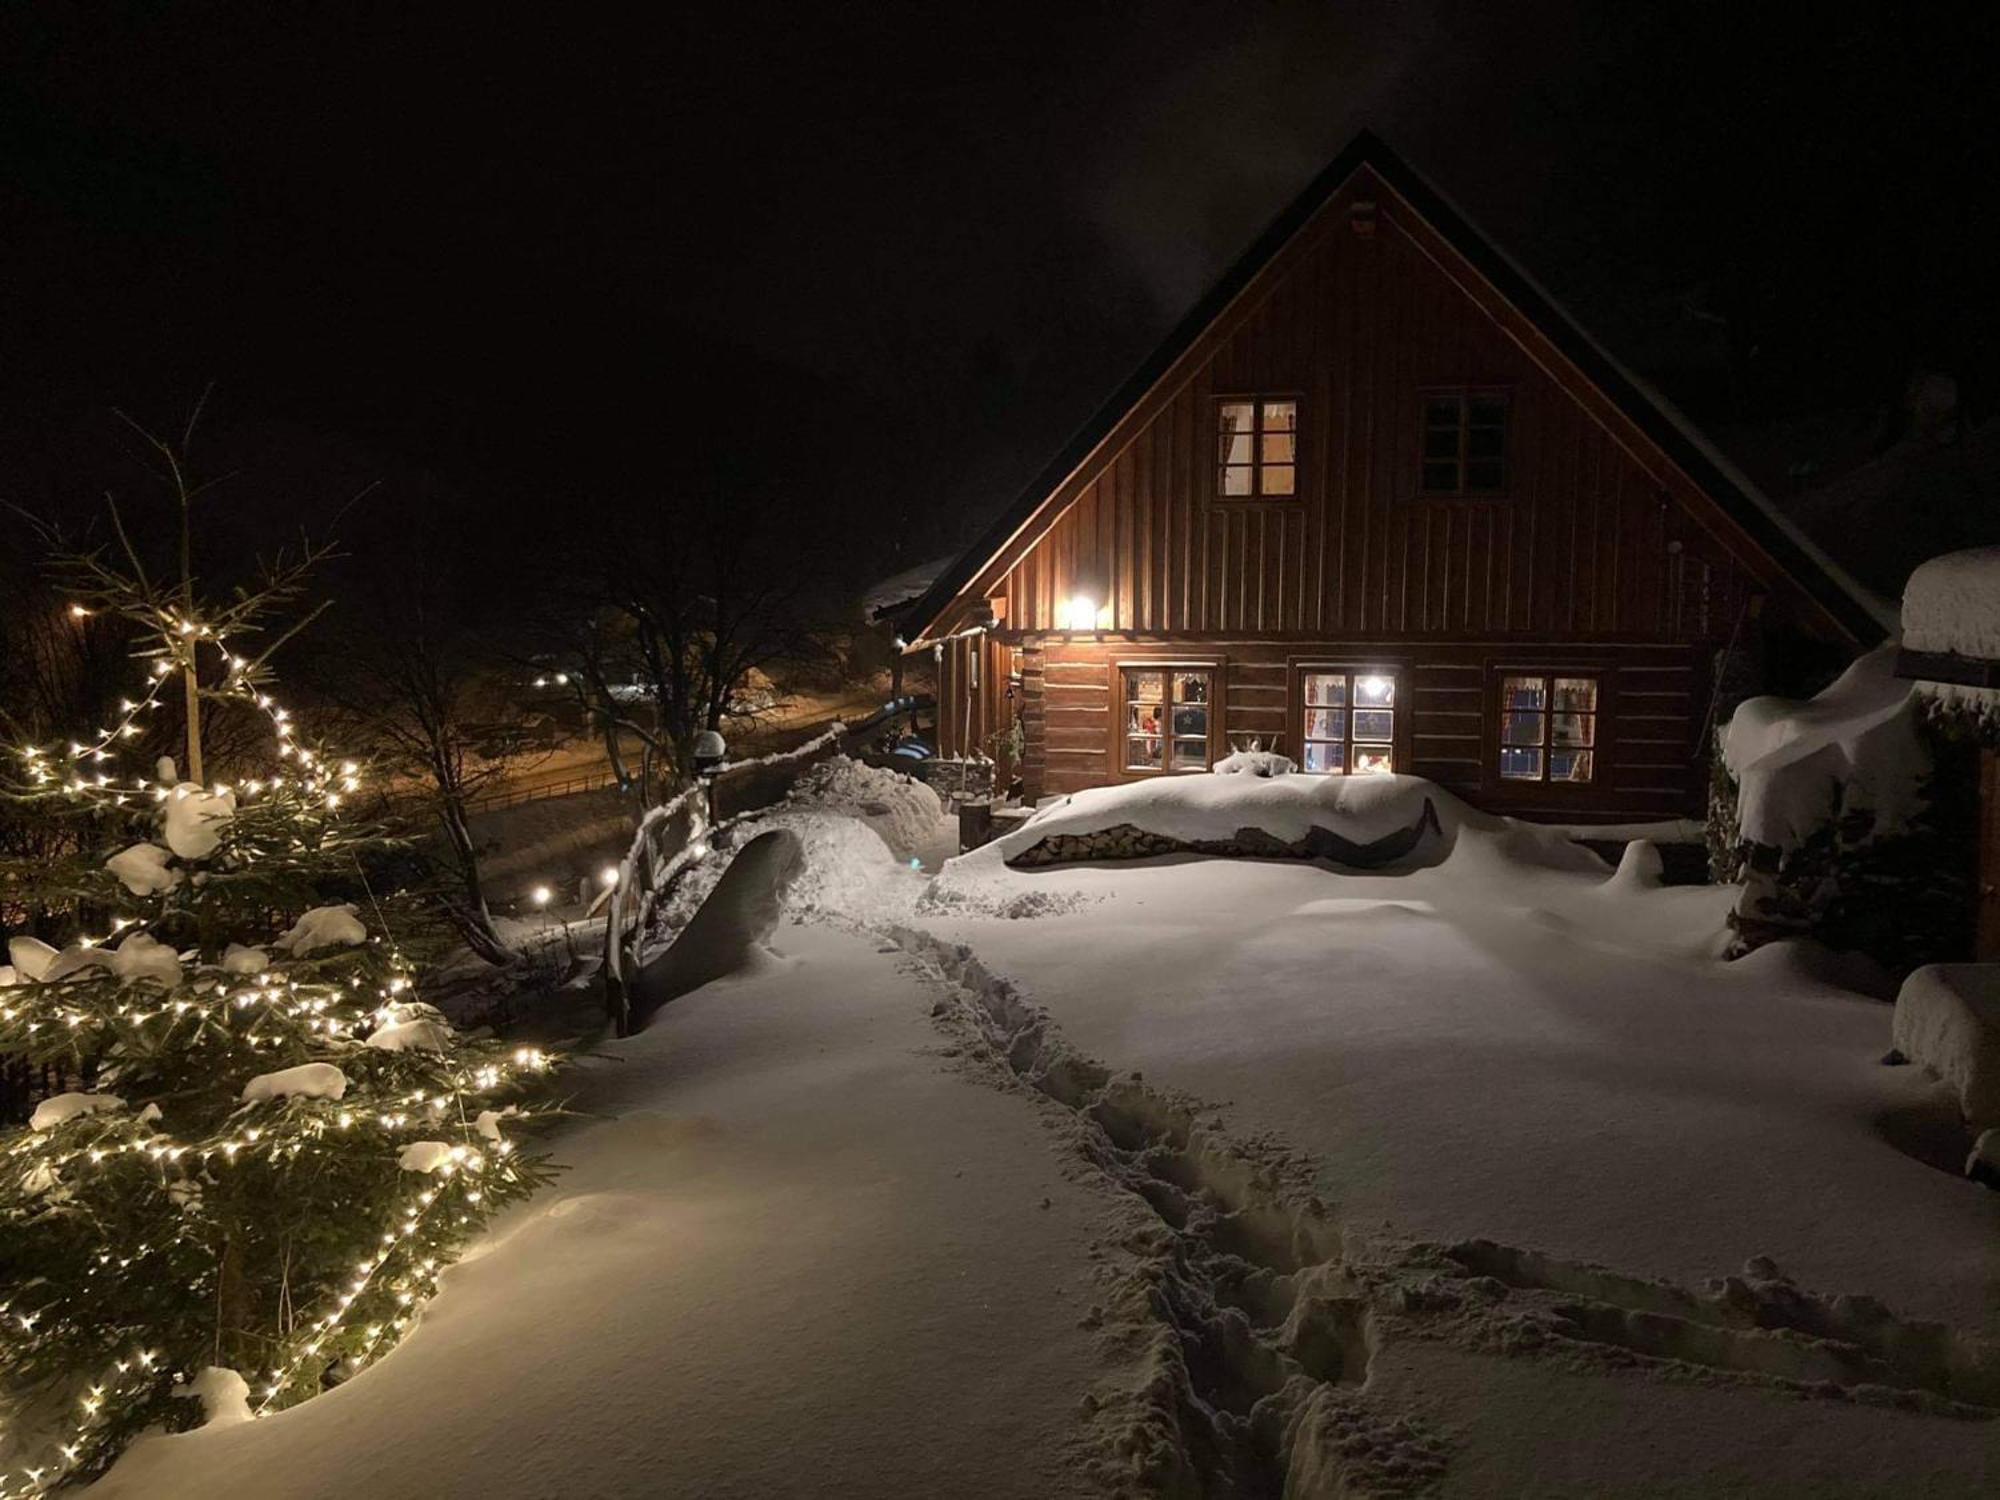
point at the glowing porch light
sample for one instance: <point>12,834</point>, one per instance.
<point>1082,612</point>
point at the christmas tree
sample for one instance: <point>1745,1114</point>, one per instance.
<point>254,1146</point>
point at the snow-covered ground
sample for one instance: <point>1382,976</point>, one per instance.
<point>1516,1045</point>
<point>800,1253</point>
<point>1477,1175</point>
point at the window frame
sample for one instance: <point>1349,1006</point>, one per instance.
<point>1217,467</point>
<point>1396,669</point>
<point>1118,667</point>
<point>1465,395</point>
<point>1544,783</point>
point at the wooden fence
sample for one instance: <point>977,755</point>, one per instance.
<point>675,837</point>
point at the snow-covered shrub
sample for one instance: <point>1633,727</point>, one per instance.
<point>1847,819</point>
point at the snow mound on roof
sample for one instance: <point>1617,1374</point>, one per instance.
<point>1952,603</point>
<point>901,588</point>
<point>1854,746</point>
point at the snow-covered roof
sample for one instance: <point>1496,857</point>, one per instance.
<point>904,587</point>
<point>1952,605</point>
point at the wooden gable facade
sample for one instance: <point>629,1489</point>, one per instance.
<point>1376,463</point>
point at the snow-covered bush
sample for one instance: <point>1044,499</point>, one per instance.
<point>1846,819</point>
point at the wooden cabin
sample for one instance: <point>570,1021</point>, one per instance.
<point>1378,503</point>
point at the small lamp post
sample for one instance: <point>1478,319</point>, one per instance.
<point>709,752</point>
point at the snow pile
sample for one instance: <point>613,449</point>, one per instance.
<point>143,957</point>
<point>62,1108</point>
<point>1948,1020</point>
<point>224,1396</point>
<point>30,957</point>
<point>1255,763</point>
<point>196,819</point>
<point>1952,604</point>
<point>1852,747</point>
<point>419,1035</point>
<point>323,927</point>
<point>1361,809</point>
<point>306,1081</point>
<point>904,811</point>
<point>138,957</point>
<point>238,959</point>
<point>142,869</point>
<point>425,1156</point>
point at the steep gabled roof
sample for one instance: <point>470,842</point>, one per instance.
<point>1857,612</point>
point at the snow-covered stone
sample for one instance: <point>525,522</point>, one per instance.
<point>1255,763</point>
<point>196,818</point>
<point>238,959</point>
<point>144,957</point>
<point>418,1035</point>
<point>323,927</point>
<point>142,869</point>
<point>62,1108</point>
<point>1948,1020</point>
<point>424,1156</point>
<point>1952,604</point>
<point>30,957</point>
<point>1854,745</point>
<point>306,1081</point>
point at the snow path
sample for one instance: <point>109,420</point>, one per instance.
<point>803,1257</point>
<point>1530,1055</point>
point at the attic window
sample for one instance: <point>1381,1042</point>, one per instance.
<point>1257,447</point>
<point>1464,443</point>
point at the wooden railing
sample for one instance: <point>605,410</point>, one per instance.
<point>675,837</point>
<point>592,780</point>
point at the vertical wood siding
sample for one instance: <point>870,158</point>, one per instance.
<point>1596,537</point>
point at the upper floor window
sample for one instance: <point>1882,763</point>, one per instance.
<point>1257,447</point>
<point>1465,443</point>
<point>1548,727</point>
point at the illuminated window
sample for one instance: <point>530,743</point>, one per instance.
<point>1257,447</point>
<point>1548,728</point>
<point>1166,717</point>
<point>1465,444</point>
<point>1348,723</point>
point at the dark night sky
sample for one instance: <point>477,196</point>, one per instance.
<point>881,258</point>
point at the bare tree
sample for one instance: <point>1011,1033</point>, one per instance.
<point>670,621</point>
<point>425,693</point>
